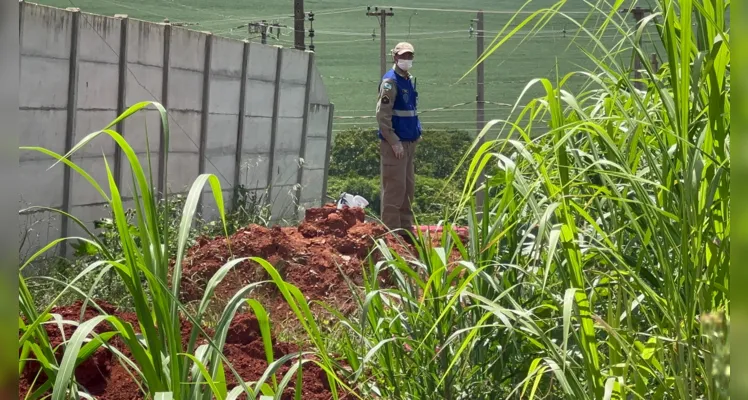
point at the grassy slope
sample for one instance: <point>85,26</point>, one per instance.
<point>348,58</point>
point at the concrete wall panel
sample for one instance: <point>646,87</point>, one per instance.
<point>291,101</point>
<point>45,189</point>
<point>224,95</point>
<point>315,155</point>
<point>44,82</point>
<point>223,168</point>
<point>145,43</point>
<point>318,118</point>
<point>262,62</point>
<point>293,66</point>
<point>253,171</point>
<point>285,169</point>
<point>282,202</point>
<point>257,131</point>
<point>187,49</point>
<point>260,97</point>
<point>289,135</point>
<point>100,38</point>
<point>94,85</point>
<point>184,131</point>
<point>143,83</point>
<point>182,169</point>
<point>185,89</point>
<point>221,140</point>
<point>227,57</point>
<point>311,184</point>
<point>46,31</point>
<point>318,92</point>
<point>43,128</point>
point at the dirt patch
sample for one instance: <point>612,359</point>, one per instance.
<point>104,377</point>
<point>314,256</point>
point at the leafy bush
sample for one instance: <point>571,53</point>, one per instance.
<point>355,152</point>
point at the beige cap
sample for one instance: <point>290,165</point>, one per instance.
<point>403,47</point>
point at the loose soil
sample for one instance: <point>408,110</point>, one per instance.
<point>330,247</point>
<point>104,376</point>
<point>317,256</point>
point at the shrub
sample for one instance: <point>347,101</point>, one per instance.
<point>355,152</point>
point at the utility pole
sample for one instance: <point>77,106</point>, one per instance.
<point>480,97</point>
<point>298,24</point>
<point>382,15</point>
<point>638,14</point>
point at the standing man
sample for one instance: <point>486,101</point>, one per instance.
<point>399,130</point>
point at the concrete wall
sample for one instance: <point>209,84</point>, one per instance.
<point>253,115</point>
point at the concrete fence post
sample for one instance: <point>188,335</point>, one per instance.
<point>274,121</point>
<point>72,108</point>
<point>21,7</point>
<point>121,91</point>
<point>205,109</point>
<point>240,125</point>
<point>304,133</point>
<point>205,104</point>
<point>163,146</point>
<point>328,148</point>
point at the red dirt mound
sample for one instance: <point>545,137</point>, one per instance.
<point>104,377</point>
<point>308,256</point>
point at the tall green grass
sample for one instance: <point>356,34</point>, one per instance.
<point>602,246</point>
<point>160,361</point>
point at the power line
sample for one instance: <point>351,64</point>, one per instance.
<point>458,10</point>
<point>285,16</point>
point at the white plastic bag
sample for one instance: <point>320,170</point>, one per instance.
<point>347,199</point>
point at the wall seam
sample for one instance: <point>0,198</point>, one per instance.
<point>72,105</point>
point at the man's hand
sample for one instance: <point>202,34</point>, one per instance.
<point>398,149</point>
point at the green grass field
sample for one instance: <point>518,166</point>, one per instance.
<point>348,57</point>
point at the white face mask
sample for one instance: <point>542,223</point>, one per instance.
<point>405,64</point>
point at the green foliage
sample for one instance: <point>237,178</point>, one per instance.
<point>355,152</point>
<point>598,267</point>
